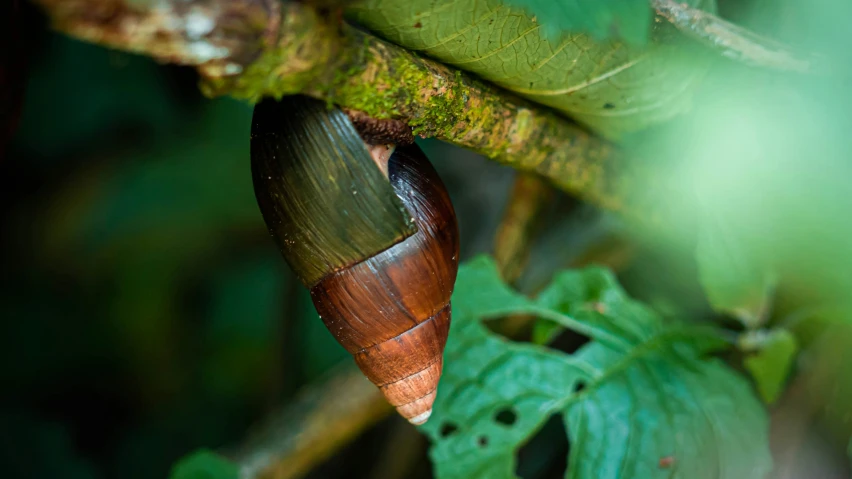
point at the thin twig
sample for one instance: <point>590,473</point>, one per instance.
<point>518,228</point>
<point>733,41</point>
<point>324,417</point>
<point>521,219</point>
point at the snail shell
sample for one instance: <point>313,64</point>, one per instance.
<point>390,308</point>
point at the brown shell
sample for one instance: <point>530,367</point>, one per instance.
<point>392,311</point>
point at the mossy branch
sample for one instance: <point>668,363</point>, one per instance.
<point>254,48</point>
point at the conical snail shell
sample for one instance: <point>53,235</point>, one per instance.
<point>392,311</point>
<point>390,308</point>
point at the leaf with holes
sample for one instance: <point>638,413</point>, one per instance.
<point>590,296</point>
<point>611,87</point>
<point>638,400</point>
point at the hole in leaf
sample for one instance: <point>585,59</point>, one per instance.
<point>515,327</point>
<point>447,429</point>
<point>608,106</point>
<point>545,455</point>
<point>528,328</point>
<point>482,441</point>
<point>569,341</point>
<point>506,416</point>
<point>579,386</point>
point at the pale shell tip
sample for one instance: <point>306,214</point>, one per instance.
<point>420,418</point>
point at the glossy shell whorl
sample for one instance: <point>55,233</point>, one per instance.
<point>392,311</point>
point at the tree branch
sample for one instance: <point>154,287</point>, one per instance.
<point>254,48</point>
<point>324,417</point>
<point>733,41</point>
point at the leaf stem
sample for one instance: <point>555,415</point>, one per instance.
<point>520,223</point>
<point>634,354</point>
<point>734,41</point>
<point>602,335</point>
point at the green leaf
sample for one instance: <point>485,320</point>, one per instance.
<point>772,363</point>
<point>638,392</point>
<point>735,281</point>
<point>611,87</point>
<point>204,464</point>
<point>602,19</point>
<point>591,296</point>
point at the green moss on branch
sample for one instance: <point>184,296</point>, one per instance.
<point>358,71</point>
<point>255,48</point>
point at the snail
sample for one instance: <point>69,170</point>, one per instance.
<point>371,231</point>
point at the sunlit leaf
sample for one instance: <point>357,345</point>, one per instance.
<point>735,281</point>
<point>771,365</point>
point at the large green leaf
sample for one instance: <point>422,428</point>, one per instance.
<point>639,400</point>
<point>606,85</point>
<point>602,19</point>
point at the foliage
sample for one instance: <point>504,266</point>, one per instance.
<point>604,85</point>
<point>734,280</point>
<point>626,19</point>
<point>639,395</point>
<point>772,363</point>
